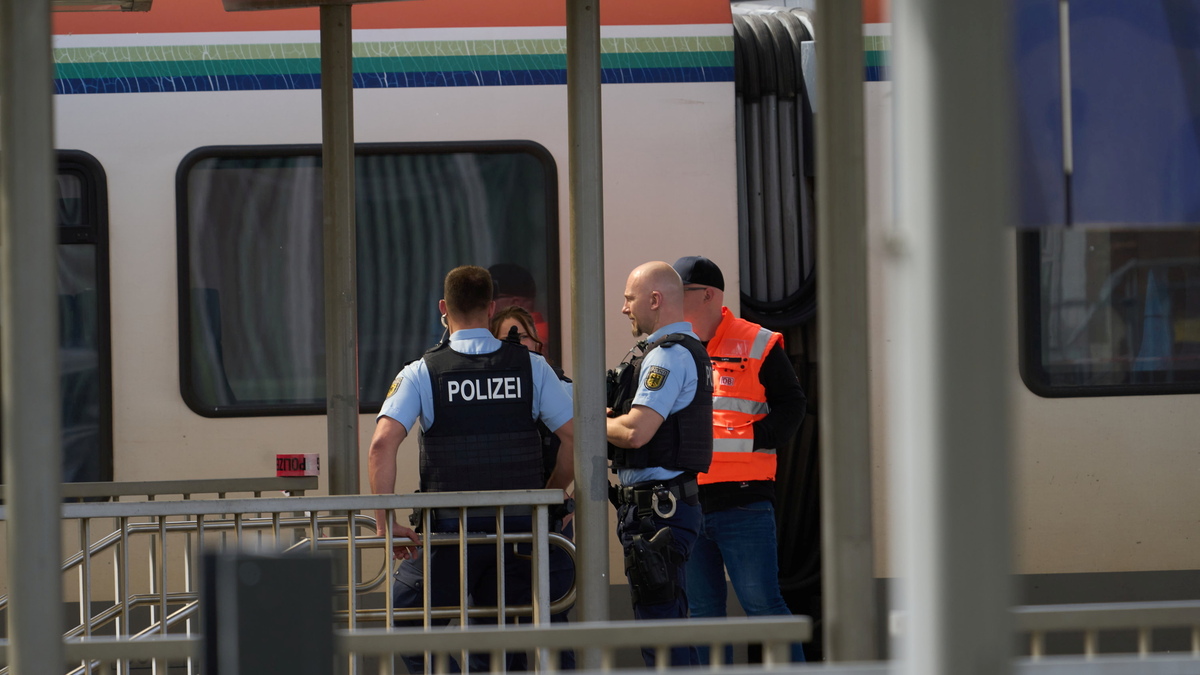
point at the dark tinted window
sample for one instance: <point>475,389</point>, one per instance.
<point>251,261</point>
<point>83,319</point>
<point>1111,312</point>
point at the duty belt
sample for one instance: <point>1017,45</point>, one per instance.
<point>660,497</point>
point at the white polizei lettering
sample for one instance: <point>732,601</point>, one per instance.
<point>484,389</point>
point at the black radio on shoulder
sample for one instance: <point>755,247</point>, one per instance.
<point>620,380</point>
<point>621,387</point>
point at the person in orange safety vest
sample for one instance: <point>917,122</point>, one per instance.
<point>758,405</point>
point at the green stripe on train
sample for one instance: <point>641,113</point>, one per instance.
<point>430,49</point>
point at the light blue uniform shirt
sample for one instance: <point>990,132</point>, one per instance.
<point>412,395</point>
<point>676,392</point>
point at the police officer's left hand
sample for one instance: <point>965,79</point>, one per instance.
<point>404,551</point>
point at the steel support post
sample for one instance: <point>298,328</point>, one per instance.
<point>588,311</point>
<point>341,291</point>
<point>949,379</point>
<point>847,549</point>
<point>29,373</point>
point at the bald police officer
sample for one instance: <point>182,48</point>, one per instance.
<point>659,438</point>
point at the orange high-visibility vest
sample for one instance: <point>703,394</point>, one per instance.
<point>739,399</point>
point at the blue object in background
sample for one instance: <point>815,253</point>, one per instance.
<point>1154,353</point>
<point>1135,113</point>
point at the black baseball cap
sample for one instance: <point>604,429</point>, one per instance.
<point>696,269</point>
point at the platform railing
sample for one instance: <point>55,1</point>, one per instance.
<point>1142,620</point>
<point>171,535</point>
<point>774,633</point>
<point>1139,618</point>
<point>108,653</point>
<point>177,531</point>
<point>218,488</point>
<point>140,491</point>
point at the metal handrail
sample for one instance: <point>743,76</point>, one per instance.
<point>258,514</point>
<point>435,500</point>
<point>1091,618</point>
<point>611,636</point>
<point>189,526</point>
<point>186,488</point>
<point>775,633</point>
<point>557,605</point>
<point>1105,616</point>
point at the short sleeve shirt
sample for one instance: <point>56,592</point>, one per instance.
<point>411,395</point>
<point>668,385</point>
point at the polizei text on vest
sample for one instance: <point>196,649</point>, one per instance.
<point>483,389</point>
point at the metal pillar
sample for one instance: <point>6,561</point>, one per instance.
<point>341,290</point>
<point>847,549</point>
<point>949,421</point>
<point>29,372</point>
<point>588,311</point>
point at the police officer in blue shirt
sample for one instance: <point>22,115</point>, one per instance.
<point>659,439</point>
<point>479,401</point>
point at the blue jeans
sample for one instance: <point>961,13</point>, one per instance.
<point>742,540</point>
<point>685,525</point>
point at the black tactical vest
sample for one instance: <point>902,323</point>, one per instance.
<point>684,441</point>
<point>483,435</point>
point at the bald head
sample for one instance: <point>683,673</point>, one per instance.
<point>661,277</point>
<point>653,297</point>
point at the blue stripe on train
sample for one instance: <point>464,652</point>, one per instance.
<point>127,85</point>
<point>878,73</point>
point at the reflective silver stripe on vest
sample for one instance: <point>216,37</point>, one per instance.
<point>759,349</point>
<point>740,405</point>
<point>738,445</point>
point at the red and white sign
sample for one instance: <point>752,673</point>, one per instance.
<point>297,465</point>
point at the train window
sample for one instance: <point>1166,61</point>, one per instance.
<point>84,343</point>
<point>72,205</point>
<point>251,291</point>
<point>1111,312</point>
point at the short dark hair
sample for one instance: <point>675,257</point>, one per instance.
<point>468,289</point>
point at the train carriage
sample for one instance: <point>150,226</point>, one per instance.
<point>190,266</point>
